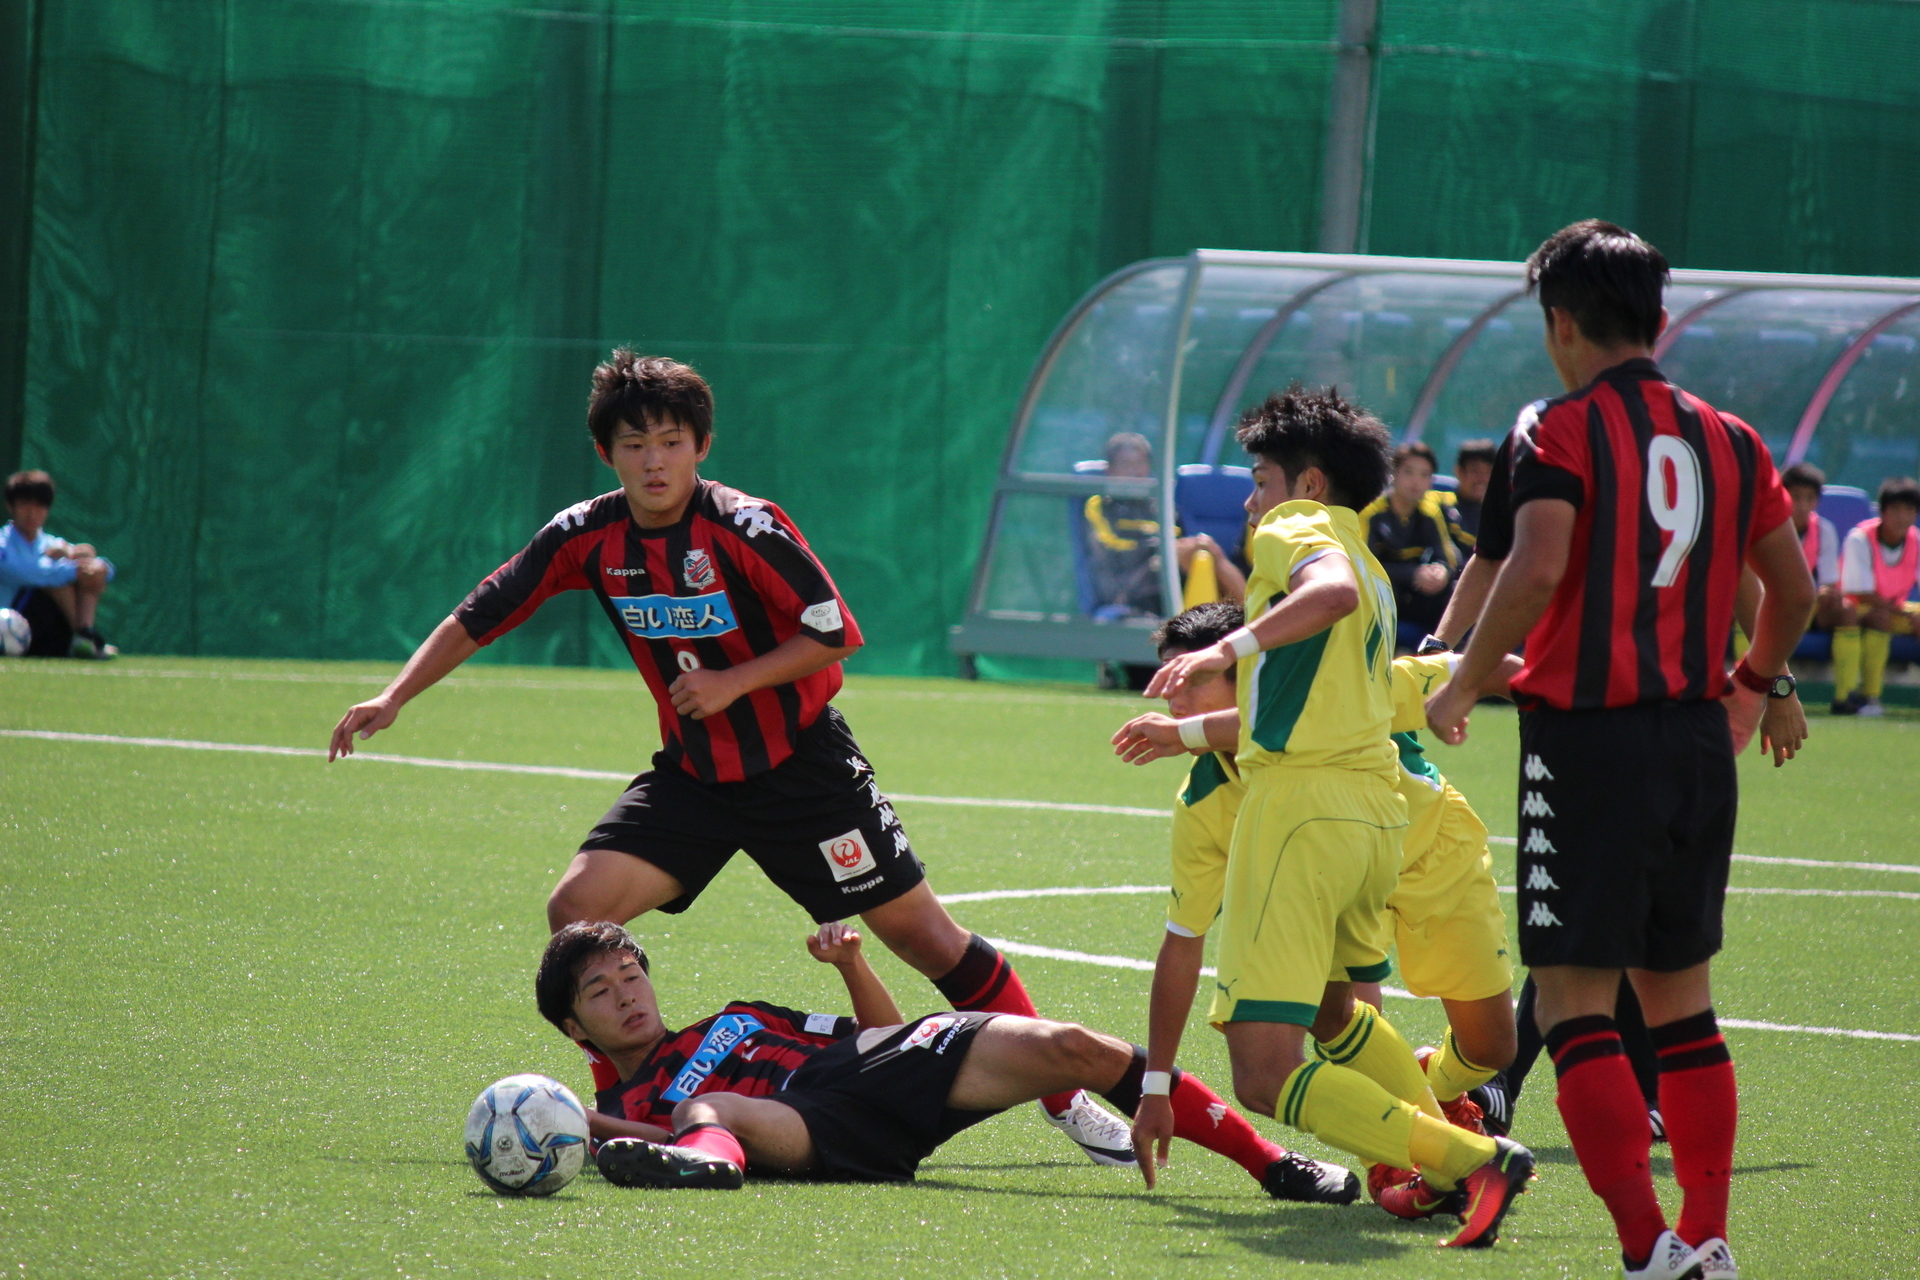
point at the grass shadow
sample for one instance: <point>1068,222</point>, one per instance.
<point>1663,1164</point>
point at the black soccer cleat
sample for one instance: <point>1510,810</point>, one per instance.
<point>1496,1105</point>
<point>1295,1177</point>
<point>634,1162</point>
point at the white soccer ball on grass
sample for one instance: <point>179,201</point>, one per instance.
<point>527,1136</point>
<point>15,634</point>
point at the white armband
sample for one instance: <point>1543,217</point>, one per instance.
<point>1193,733</point>
<point>1243,643</point>
<point>1156,1084</point>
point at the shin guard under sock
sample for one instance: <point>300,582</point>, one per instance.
<point>1701,1107</point>
<point>1450,1074</point>
<point>1370,1046</point>
<point>713,1140</point>
<point>1607,1121</point>
<point>984,980</point>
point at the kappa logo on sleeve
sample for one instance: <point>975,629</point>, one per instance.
<point>676,617</point>
<point>848,856</point>
<point>823,617</point>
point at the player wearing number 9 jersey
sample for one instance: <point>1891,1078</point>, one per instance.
<point>1622,515</point>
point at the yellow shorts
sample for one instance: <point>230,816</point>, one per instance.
<point>1905,620</point>
<point>1316,854</point>
<point>1448,925</point>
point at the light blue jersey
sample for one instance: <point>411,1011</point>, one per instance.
<point>25,564</point>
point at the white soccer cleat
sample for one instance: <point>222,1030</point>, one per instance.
<point>1105,1137</point>
<point>1716,1261</point>
<point>1672,1259</point>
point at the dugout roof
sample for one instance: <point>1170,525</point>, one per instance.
<point>1826,368</point>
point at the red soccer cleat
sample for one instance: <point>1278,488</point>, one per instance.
<point>1463,1112</point>
<point>1415,1200</point>
<point>1490,1192</point>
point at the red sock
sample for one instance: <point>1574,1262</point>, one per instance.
<point>1701,1106</point>
<point>1606,1117</point>
<point>1200,1116</point>
<point>712,1140</point>
<point>984,980</point>
<point>605,1074</point>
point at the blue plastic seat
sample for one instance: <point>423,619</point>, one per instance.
<point>1212,500</point>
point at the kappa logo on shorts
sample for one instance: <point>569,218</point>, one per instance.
<point>1541,918</point>
<point>1537,842</point>
<point>925,1034</point>
<point>1534,805</point>
<point>1536,771</point>
<point>848,856</point>
<point>1538,879</point>
<point>697,569</point>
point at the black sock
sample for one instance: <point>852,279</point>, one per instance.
<point>978,979</point>
<point>1125,1093</point>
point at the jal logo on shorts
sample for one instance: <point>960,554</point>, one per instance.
<point>697,570</point>
<point>928,1031</point>
<point>848,855</point>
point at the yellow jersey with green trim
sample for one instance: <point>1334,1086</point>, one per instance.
<point>1325,701</point>
<point>1203,818</point>
<point>1415,679</point>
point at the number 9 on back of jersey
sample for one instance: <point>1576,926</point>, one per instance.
<point>527,1136</point>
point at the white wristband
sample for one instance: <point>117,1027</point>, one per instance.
<point>1193,733</point>
<point>1156,1084</point>
<point>1242,642</point>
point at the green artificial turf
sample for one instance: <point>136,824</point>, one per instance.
<point>248,998</point>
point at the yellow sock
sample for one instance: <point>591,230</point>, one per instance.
<point>1371,1046</point>
<point>1446,1153</point>
<point>1846,662</point>
<point>1873,660</point>
<point>1450,1075</point>
<point>1203,584</point>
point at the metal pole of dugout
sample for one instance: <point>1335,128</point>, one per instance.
<point>1038,617</point>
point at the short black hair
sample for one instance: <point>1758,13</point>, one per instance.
<point>1900,491</point>
<point>1476,451</point>
<point>1200,627</point>
<point>568,952</point>
<point>1415,449</point>
<point>30,486</point>
<point>644,391</point>
<point>1606,277</point>
<point>1804,475</point>
<point>1297,429</point>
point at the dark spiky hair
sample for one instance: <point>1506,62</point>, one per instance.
<point>568,952</point>
<point>1200,627</point>
<point>1296,429</point>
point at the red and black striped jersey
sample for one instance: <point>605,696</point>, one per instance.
<point>747,1048</point>
<point>731,580</point>
<point>1670,494</point>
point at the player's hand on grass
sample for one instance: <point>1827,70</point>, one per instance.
<point>364,718</point>
<point>836,943</point>
<point>1149,737</point>
<point>700,693</point>
<point>1179,669</point>
<point>1152,1134</point>
<point>1783,728</point>
<point>1447,712</point>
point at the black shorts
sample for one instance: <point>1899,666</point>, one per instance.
<point>52,633</point>
<point>1626,835</point>
<point>874,1116</point>
<point>817,825</point>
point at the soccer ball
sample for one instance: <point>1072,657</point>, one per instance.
<point>15,634</point>
<point>527,1136</point>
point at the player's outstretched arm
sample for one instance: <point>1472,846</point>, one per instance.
<point>838,944</point>
<point>1319,594</point>
<point>1469,597</point>
<point>1157,737</point>
<point>1786,604</point>
<point>1176,976</point>
<point>603,1126</point>
<point>445,649</point>
<point>700,693</point>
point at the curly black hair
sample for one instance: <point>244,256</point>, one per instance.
<point>1200,627</point>
<point>568,952</point>
<point>642,391</point>
<point>1296,429</point>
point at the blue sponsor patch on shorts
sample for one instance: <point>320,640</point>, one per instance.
<point>676,617</point>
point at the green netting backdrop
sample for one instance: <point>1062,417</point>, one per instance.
<point>300,296</point>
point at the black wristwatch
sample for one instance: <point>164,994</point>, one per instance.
<point>1780,686</point>
<point>1433,644</point>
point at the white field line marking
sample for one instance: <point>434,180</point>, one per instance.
<point>979,802</point>
<point>995,895</point>
<point>1146,966</point>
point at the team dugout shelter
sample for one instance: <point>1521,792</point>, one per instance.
<point>1825,368</point>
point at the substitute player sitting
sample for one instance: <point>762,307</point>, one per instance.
<point>739,633</point>
<point>1317,844</point>
<point>1450,932</point>
<point>1879,563</point>
<point>865,1098</point>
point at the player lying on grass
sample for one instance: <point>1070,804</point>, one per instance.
<point>1449,929</point>
<point>739,632</point>
<point>1317,842</point>
<point>865,1098</point>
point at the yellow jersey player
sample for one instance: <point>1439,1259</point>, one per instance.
<point>1317,844</point>
<point>1450,932</point>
